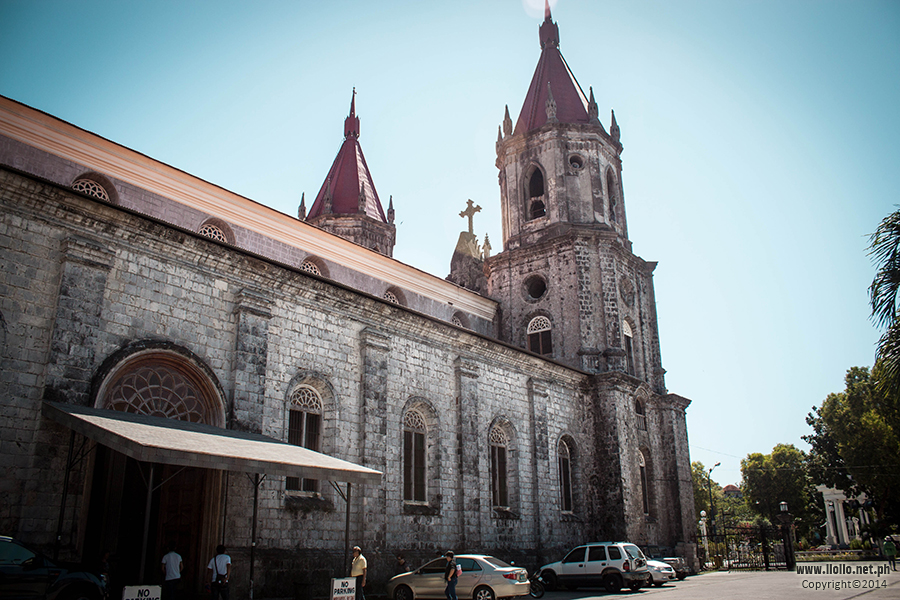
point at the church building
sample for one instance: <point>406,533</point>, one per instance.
<point>181,363</point>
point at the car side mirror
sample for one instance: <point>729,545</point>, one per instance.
<point>35,562</point>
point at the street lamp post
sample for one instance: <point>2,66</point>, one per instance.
<point>712,507</point>
<point>786,534</point>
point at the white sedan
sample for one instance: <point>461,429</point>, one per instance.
<point>660,572</point>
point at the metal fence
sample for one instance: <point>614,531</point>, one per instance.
<point>762,548</point>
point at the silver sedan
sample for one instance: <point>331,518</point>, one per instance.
<point>483,578</point>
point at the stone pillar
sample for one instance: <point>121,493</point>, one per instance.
<point>376,349</point>
<point>469,433</point>
<point>251,347</point>
<point>541,452</point>
<point>82,285</point>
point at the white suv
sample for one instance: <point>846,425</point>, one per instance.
<point>610,564</point>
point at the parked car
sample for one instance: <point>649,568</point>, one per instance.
<point>612,565</point>
<point>483,578</point>
<point>660,572</point>
<point>25,573</point>
<point>678,564</point>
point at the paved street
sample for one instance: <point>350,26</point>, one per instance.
<point>756,585</point>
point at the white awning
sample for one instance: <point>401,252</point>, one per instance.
<point>167,441</point>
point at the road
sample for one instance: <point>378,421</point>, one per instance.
<point>761,585</point>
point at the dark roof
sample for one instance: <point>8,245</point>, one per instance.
<point>571,103</point>
<point>348,175</point>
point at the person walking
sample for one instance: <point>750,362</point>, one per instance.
<point>890,551</point>
<point>402,565</point>
<point>219,570</point>
<point>358,569</point>
<point>172,566</point>
<point>450,576</point>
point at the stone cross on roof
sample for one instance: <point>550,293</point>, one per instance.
<point>470,212</point>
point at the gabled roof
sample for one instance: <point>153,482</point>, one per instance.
<point>571,103</point>
<point>348,178</point>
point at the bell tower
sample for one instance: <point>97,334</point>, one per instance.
<point>570,286</point>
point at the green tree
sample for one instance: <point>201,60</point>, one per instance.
<point>855,446</point>
<point>781,476</point>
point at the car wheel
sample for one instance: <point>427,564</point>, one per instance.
<point>636,585</point>
<point>681,576</point>
<point>550,581</point>
<point>483,593</point>
<point>612,583</point>
<point>658,583</point>
<point>403,593</point>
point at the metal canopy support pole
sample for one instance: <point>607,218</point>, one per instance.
<point>65,494</point>
<point>256,481</point>
<point>347,532</point>
<point>146,523</point>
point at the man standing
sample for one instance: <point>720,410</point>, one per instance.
<point>358,569</point>
<point>219,570</point>
<point>890,551</point>
<point>172,566</point>
<point>450,576</point>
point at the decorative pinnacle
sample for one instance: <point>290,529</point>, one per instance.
<point>301,211</point>
<point>507,122</point>
<point>614,127</point>
<point>551,105</point>
<point>593,110</point>
<point>391,210</point>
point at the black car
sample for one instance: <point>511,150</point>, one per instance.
<point>27,575</point>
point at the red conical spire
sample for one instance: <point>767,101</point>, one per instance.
<point>348,188</point>
<point>571,103</point>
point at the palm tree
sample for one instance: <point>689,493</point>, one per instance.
<point>884,247</point>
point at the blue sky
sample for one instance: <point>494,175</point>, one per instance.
<point>760,148</point>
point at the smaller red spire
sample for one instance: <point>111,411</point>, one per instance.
<point>351,123</point>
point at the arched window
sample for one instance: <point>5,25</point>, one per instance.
<point>564,453</point>
<point>310,267</point>
<point>212,231</point>
<point>629,347</point>
<point>645,491</point>
<point>612,194</point>
<point>499,442</point>
<point>539,336</point>
<point>414,436</point>
<point>536,207</point>
<point>640,416</point>
<point>304,429</point>
<point>91,188</point>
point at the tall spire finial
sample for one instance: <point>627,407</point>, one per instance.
<point>614,128</point>
<point>549,32</point>
<point>351,123</point>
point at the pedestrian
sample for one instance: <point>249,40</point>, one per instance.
<point>450,576</point>
<point>219,570</point>
<point>358,569</point>
<point>890,551</point>
<point>402,565</point>
<point>172,566</point>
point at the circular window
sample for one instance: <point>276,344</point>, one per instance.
<point>535,287</point>
<point>576,162</point>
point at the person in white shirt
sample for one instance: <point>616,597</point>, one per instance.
<point>172,565</point>
<point>219,570</point>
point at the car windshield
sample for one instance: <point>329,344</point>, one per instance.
<point>633,551</point>
<point>496,562</point>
